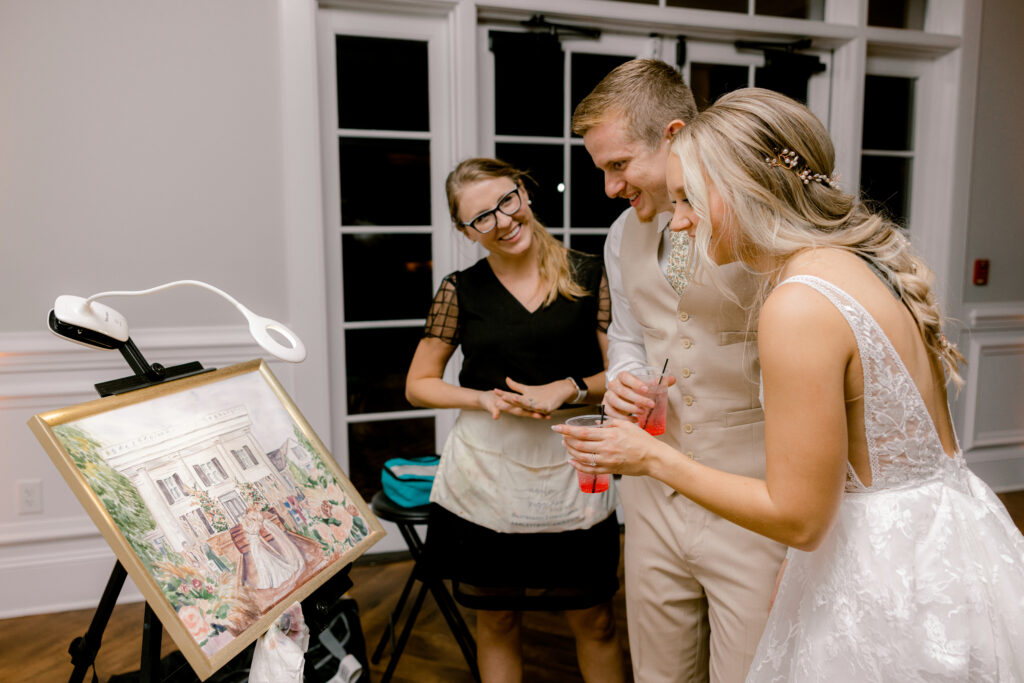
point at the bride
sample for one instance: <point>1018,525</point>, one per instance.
<point>903,565</point>
<point>275,563</point>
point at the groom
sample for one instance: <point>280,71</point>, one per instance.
<point>698,588</point>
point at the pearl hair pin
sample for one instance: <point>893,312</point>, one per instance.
<point>789,159</point>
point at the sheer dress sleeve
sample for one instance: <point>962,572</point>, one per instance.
<point>604,304</point>
<point>443,318</point>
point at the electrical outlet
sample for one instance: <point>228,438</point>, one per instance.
<point>30,496</point>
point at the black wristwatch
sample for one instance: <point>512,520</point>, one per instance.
<point>581,389</point>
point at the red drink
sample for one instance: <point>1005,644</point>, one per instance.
<point>593,483</point>
<point>654,421</point>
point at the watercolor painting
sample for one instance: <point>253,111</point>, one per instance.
<point>217,497</point>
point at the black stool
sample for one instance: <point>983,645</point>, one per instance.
<point>406,519</point>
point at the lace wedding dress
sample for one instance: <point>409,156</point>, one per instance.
<point>921,577</point>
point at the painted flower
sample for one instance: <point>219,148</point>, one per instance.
<point>197,584</point>
<point>193,620</point>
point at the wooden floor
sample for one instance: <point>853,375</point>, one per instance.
<point>34,649</point>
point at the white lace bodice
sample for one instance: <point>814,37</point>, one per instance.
<point>903,443</point>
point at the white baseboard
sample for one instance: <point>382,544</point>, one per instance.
<point>52,579</point>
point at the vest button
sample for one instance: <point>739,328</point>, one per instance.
<point>685,372</point>
<point>687,343</point>
<point>688,400</point>
<point>688,429</point>
<point>684,316</point>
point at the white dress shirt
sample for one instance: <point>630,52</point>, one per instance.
<point>625,335</point>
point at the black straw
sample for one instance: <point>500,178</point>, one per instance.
<point>601,409</point>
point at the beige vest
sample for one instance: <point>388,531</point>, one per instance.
<point>714,415</point>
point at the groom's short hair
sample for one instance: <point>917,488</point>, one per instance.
<point>647,93</point>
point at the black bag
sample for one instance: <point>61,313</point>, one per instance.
<point>340,644</point>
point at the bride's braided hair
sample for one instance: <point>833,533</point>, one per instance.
<point>744,145</point>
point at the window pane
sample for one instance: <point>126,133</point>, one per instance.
<point>888,113</point>
<point>370,444</point>
<point>796,9</point>
<point>544,164</point>
<point>887,180</point>
<point>897,13</point>
<point>377,362</point>
<point>590,207</point>
<point>786,76</point>
<point>386,277</point>
<point>384,182</point>
<point>710,81</point>
<point>587,70</point>
<point>528,87</point>
<point>718,5</point>
<point>382,83</point>
<point>592,244</point>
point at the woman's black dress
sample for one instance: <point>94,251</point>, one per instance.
<point>500,338</point>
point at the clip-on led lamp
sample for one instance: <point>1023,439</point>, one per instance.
<point>90,323</point>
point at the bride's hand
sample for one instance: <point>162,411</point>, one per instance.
<point>621,447</point>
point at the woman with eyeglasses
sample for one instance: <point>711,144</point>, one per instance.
<point>510,525</point>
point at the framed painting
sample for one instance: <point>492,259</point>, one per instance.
<point>217,497</point>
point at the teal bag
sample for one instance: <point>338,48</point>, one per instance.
<point>407,481</point>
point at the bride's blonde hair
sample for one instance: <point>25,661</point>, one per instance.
<point>771,161</point>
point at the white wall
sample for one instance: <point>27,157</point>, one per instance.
<point>143,142</point>
<point>991,408</point>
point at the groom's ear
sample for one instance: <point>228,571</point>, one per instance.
<point>672,128</point>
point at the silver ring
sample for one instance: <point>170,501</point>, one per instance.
<point>593,463</point>
<point>531,404</point>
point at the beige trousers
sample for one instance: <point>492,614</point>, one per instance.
<point>698,588</point>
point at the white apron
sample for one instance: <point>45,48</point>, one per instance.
<point>512,475</point>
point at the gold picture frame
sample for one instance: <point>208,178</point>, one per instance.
<point>217,497</point>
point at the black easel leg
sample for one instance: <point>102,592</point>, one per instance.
<point>152,632</point>
<point>83,649</point>
<point>410,621</point>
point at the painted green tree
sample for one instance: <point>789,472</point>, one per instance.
<point>115,492</point>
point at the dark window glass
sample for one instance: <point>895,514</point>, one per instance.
<point>377,362</point>
<point>370,444</point>
<point>785,79</point>
<point>710,81</point>
<point>886,180</point>
<point>592,244</point>
<point>382,83</point>
<point>897,13</point>
<point>587,70</point>
<point>544,164</point>
<point>386,277</point>
<point>795,9</point>
<point>888,113</point>
<point>384,182</point>
<point>590,206</point>
<point>717,5</point>
<point>528,83</point>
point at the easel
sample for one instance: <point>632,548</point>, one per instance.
<point>318,609</point>
<point>83,650</point>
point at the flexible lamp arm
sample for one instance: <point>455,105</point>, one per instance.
<point>96,316</point>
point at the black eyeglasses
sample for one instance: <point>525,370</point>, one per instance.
<point>488,220</point>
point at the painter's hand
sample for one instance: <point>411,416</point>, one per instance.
<point>537,401</point>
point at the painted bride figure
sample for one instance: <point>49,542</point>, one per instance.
<point>903,565</point>
<point>274,564</point>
